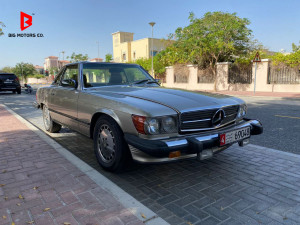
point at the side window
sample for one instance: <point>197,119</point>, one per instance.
<point>95,77</point>
<point>70,74</point>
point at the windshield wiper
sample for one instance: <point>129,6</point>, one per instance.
<point>148,81</point>
<point>152,82</point>
<point>140,81</point>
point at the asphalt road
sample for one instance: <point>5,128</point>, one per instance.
<point>281,121</point>
<point>280,118</point>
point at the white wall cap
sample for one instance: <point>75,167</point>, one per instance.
<point>224,63</point>
<point>192,65</point>
<point>264,60</point>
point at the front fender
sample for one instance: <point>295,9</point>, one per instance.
<point>110,113</point>
<point>123,119</point>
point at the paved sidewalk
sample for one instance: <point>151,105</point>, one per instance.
<point>262,94</point>
<point>39,186</point>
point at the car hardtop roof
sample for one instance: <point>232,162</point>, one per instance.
<point>101,63</point>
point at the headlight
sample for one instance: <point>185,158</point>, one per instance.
<point>169,124</point>
<point>157,125</point>
<point>242,111</point>
<point>152,126</point>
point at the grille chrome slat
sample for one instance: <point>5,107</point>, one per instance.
<point>202,119</point>
<point>195,121</point>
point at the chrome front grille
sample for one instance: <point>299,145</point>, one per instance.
<point>202,119</point>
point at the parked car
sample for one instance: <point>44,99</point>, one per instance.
<point>129,116</point>
<point>9,82</point>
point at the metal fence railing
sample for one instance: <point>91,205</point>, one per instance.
<point>181,74</point>
<point>241,75</point>
<point>206,76</point>
<point>283,75</point>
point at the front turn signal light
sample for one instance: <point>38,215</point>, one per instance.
<point>174,154</point>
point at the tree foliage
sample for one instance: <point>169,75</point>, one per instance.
<point>77,57</point>
<point>1,28</point>
<point>108,57</point>
<point>215,37</point>
<point>7,69</point>
<point>158,66</point>
<point>295,47</point>
<point>291,60</point>
<point>53,70</point>
<point>24,70</point>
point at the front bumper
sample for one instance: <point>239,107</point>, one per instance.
<point>189,145</point>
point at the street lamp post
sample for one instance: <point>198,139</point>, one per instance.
<point>63,52</point>
<point>152,25</point>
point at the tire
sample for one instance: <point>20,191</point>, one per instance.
<point>49,124</point>
<point>18,91</point>
<point>110,147</point>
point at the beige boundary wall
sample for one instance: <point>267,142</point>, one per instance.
<point>222,80</point>
<point>32,80</point>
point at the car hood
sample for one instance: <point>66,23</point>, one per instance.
<point>179,100</point>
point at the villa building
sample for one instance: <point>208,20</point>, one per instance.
<point>54,62</point>
<point>125,49</point>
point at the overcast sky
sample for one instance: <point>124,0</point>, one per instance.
<point>76,26</point>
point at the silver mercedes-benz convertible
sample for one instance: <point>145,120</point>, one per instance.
<point>129,116</point>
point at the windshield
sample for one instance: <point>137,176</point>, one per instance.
<point>96,75</point>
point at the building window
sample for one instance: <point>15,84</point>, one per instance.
<point>124,56</point>
<point>154,52</point>
<point>134,55</point>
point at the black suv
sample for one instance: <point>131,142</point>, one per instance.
<point>10,82</point>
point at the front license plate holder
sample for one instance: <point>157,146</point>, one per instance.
<point>234,136</point>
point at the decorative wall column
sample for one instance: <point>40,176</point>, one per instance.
<point>222,71</point>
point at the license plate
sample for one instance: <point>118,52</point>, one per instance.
<point>7,82</point>
<point>234,136</point>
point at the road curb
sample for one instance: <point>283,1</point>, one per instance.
<point>143,213</point>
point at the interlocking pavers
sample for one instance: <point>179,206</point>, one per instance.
<point>38,184</point>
